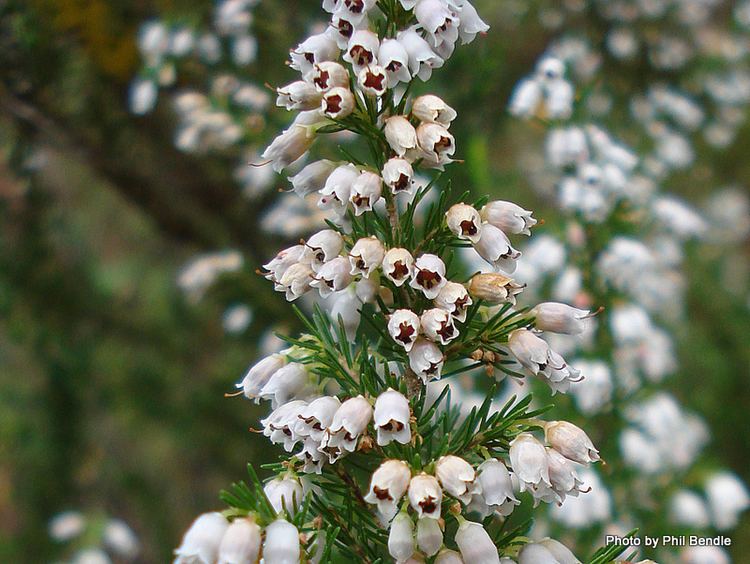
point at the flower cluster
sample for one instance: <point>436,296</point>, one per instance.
<point>350,398</point>
<point>94,538</point>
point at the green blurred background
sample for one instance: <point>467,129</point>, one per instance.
<point>111,383</point>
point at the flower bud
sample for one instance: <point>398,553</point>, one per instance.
<point>495,288</point>
<point>282,543</point>
<point>400,134</point>
<point>571,441</point>
<point>240,543</point>
<point>387,486</point>
<point>373,80</point>
<point>430,108</point>
<point>475,543</point>
<point>560,318</point>
<point>404,327</point>
<point>428,275</point>
<point>528,458</point>
<point>284,494</point>
<point>296,281</point>
<point>508,217</point>
<point>398,265</point>
<point>366,192</point>
<point>454,299</point>
<point>437,325</point>
<point>398,175</point>
<point>289,146</point>
<point>327,75</point>
<point>494,247</point>
<point>285,383</point>
<point>429,536</point>
<point>392,418</point>
<point>401,537</point>
<point>425,496</point>
<point>338,102</point>
<point>464,221</point>
<point>335,194</point>
<point>282,261</point>
<point>535,356</point>
<point>280,426</point>
<point>201,541</point>
<point>366,255</point>
<point>559,551</point>
<point>426,360</point>
<point>494,484</point>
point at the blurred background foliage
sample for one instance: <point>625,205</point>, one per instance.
<point>112,382</point>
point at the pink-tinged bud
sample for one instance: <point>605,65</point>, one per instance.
<point>392,418</point>
<point>338,103</point>
<point>401,135</point>
<point>425,496</point>
<point>494,288</point>
<point>366,255</point>
<point>430,108</point>
<point>476,544</point>
<point>456,476</point>
<point>437,325</point>
<point>387,486</point>
<point>508,217</point>
<point>571,441</point>
<point>426,360</point>
<point>289,146</point>
<point>464,221</point>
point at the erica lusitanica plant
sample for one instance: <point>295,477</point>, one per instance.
<point>377,463</point>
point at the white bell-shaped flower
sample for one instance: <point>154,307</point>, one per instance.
<point>528,458</point>
<point>338,103</point>
<point>282,261</point>
<point>335,194</point>
<point>431,108</point>
<point>373,80</point>
<point>282,543</point>
<point>440,23</point>
<point>387,486</point>
<point>447,556</point>
<point>316,416</point>
<point>422,58</point>
<point>401,537</point>
<point>327,75</point>
<point>395,59</point>
<point>571,441</point>
<point>398,265</point>
<point>436,144</point>
<point>280,426</point>
<point>454,298</point>
<point>314,49</point>
<point>366,192</point>
<point>333,276</point>
<point>404,327</point>
<point>428,275</point>
<point>362,49</point>
<point>476,544</point>
<point>299,95</point>
<point>464,221</point>
<point>495,247</point>
<point>284,494</point>
<point>312,178</point>
<point>494,484</point>
<point>366,255</point>
<point>425,496</point>
<point>349,422</point>
<point>426,360</point>
<point>401,135</point>
<point>286,383</point>
<point>535,356</point>
<point>240,543</point>
<point>429,536</point>
<point>437,325</point>
<point>201,542</point>
<point>560,318</point>
<point>259,374</point>
<point>392,418</point>
<point>398,175</point>
<point>323,246</point>
<point>470,22</point>
<point>456,476</point>
<point>508,217</point>
<point>563,475</point>
<point>295,281</point>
